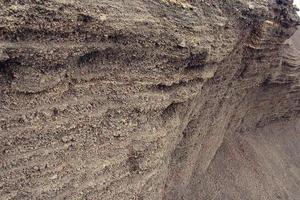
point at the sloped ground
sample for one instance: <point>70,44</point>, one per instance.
<point>138,99</point>
<point>262,164</point>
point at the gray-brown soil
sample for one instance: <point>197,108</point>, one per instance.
<point>149,100</point>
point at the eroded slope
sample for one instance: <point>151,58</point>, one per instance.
<point>126,99</point>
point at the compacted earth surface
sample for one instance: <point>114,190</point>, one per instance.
<point>149,100</point>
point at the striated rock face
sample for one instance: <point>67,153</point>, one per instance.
<point>149,99</point>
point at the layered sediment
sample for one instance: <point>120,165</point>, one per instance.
<point>156,99</point>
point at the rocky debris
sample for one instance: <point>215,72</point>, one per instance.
<point>149,100</point>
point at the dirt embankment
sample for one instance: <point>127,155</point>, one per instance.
<point>156,99</point>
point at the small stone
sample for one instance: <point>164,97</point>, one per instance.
<point>251,6</point>
<point>43,167</point>
<point>54,177</point>
<point>66,139</point>
<point>103,18</point>
<point>182,44</point>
